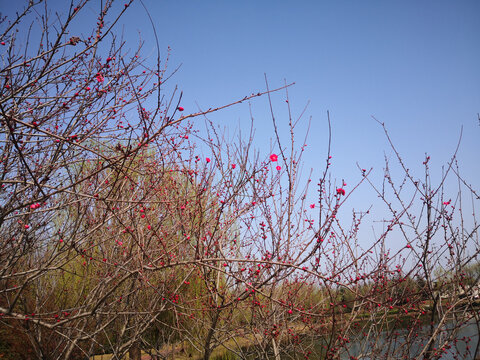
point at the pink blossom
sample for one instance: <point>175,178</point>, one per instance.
<point>99,78</point>
<point>273,157</point>
<point>340,191</point>
<point>207,160</point>
<point>180,108</point>
<point>279,168</point>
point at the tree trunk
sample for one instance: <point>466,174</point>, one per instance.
<point>134,352</point>
<point>276,354</point>
<point>207,347</point>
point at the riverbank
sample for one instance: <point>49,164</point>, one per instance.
<point>390,320</point>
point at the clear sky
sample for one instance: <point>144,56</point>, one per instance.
<point>412,64</point>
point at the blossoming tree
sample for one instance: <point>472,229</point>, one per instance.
<point>119,235</point>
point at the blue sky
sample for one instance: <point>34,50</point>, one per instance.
<point>411,64</point>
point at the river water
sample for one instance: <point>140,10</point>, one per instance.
<point>403,344</point>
